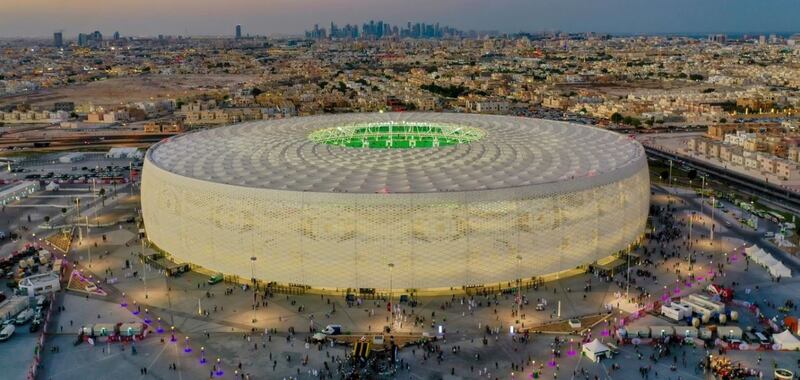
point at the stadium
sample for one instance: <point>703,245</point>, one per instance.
<point>402,201</point>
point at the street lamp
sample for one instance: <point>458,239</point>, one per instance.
<point>88,246</point>
<point>519,281</point>
<point>253,281</point>
<point>702,193</point>
<point>391,306</point>
<point>628,275</point>
<point>713,206</point>
<point>670,174</point>
<point>144,269</point>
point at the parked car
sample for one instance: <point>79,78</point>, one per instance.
<point>35,325</point>
<point>332,330</point>
<point>6,332</point>
<point>217,278</point>
<point>24,316</point>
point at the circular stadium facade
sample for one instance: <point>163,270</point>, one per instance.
<point>421,200</point>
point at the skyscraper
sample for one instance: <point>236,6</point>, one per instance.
<point>238,31</point>
<point>58,39</point>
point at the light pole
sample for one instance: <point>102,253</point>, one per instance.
<point>77,215</point>
<point>628,275</point>
<point>391,306</point>
<point>670,174</point>
<point>144,268</point>
<point>130,176</point>
<point>713,206</point>
<point>94,196</point>
<point>88,246</point>
<point>519,281</point>
<point>702,193</point>
<point>252,282</point>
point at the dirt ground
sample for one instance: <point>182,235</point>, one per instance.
<point>130,89</point>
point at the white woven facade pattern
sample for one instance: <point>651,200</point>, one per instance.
<point>439,232</point>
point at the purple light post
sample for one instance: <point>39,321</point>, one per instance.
<point>218,368</point>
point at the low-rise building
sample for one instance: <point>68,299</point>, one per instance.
<point>71,157</point>
<point>164,126</point>
<point>17,191</point>
<point>40,284</point>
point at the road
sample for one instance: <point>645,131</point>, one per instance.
<point>778,196</point>
<point>746,234</point>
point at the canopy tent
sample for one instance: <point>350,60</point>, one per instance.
<point>752,250</point>
<point>769,261</point>
<point>595,350</point>
<point>759,256</point>
<point>780,270</point>
<point>787,341</point>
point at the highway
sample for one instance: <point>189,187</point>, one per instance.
<point>82,141</point>
<point>775,195</point>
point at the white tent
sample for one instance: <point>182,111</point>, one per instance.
<point>769,261</point>
<point>751,250</point>
<point>595,350</point>
<point>780,270</point>
<point>758,256</point>
<point>786,340</point>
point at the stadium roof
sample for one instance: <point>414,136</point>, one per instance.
<point>503,152</point>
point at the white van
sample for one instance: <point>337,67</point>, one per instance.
<point>7,332</point>
<point>23,317</point>
<point>332,330</point>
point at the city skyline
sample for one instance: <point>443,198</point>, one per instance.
<point>41,18</point>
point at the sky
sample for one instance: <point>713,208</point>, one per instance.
<point>40,18</point>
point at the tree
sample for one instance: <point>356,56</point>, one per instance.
<point>616,117</point>
<point>256,91</point>
<point>630,120</point>
<point>102,194</point>
<point>692,174</point>
<point>47,219</point>
<point>665,175</point>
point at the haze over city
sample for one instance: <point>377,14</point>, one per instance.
<point>39,18</point>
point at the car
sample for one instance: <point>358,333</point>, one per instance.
<point>35,325</point>
<point>332,330</point>
<point>215,279</point>
<point>23,317</point>
<point>6,332</point>
<point>769,234</point>
<point>318,337</point>
<point>42,301</point>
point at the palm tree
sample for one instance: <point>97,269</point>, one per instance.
<point>102,194</point>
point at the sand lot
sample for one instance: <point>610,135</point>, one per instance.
<point>131,89</point>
